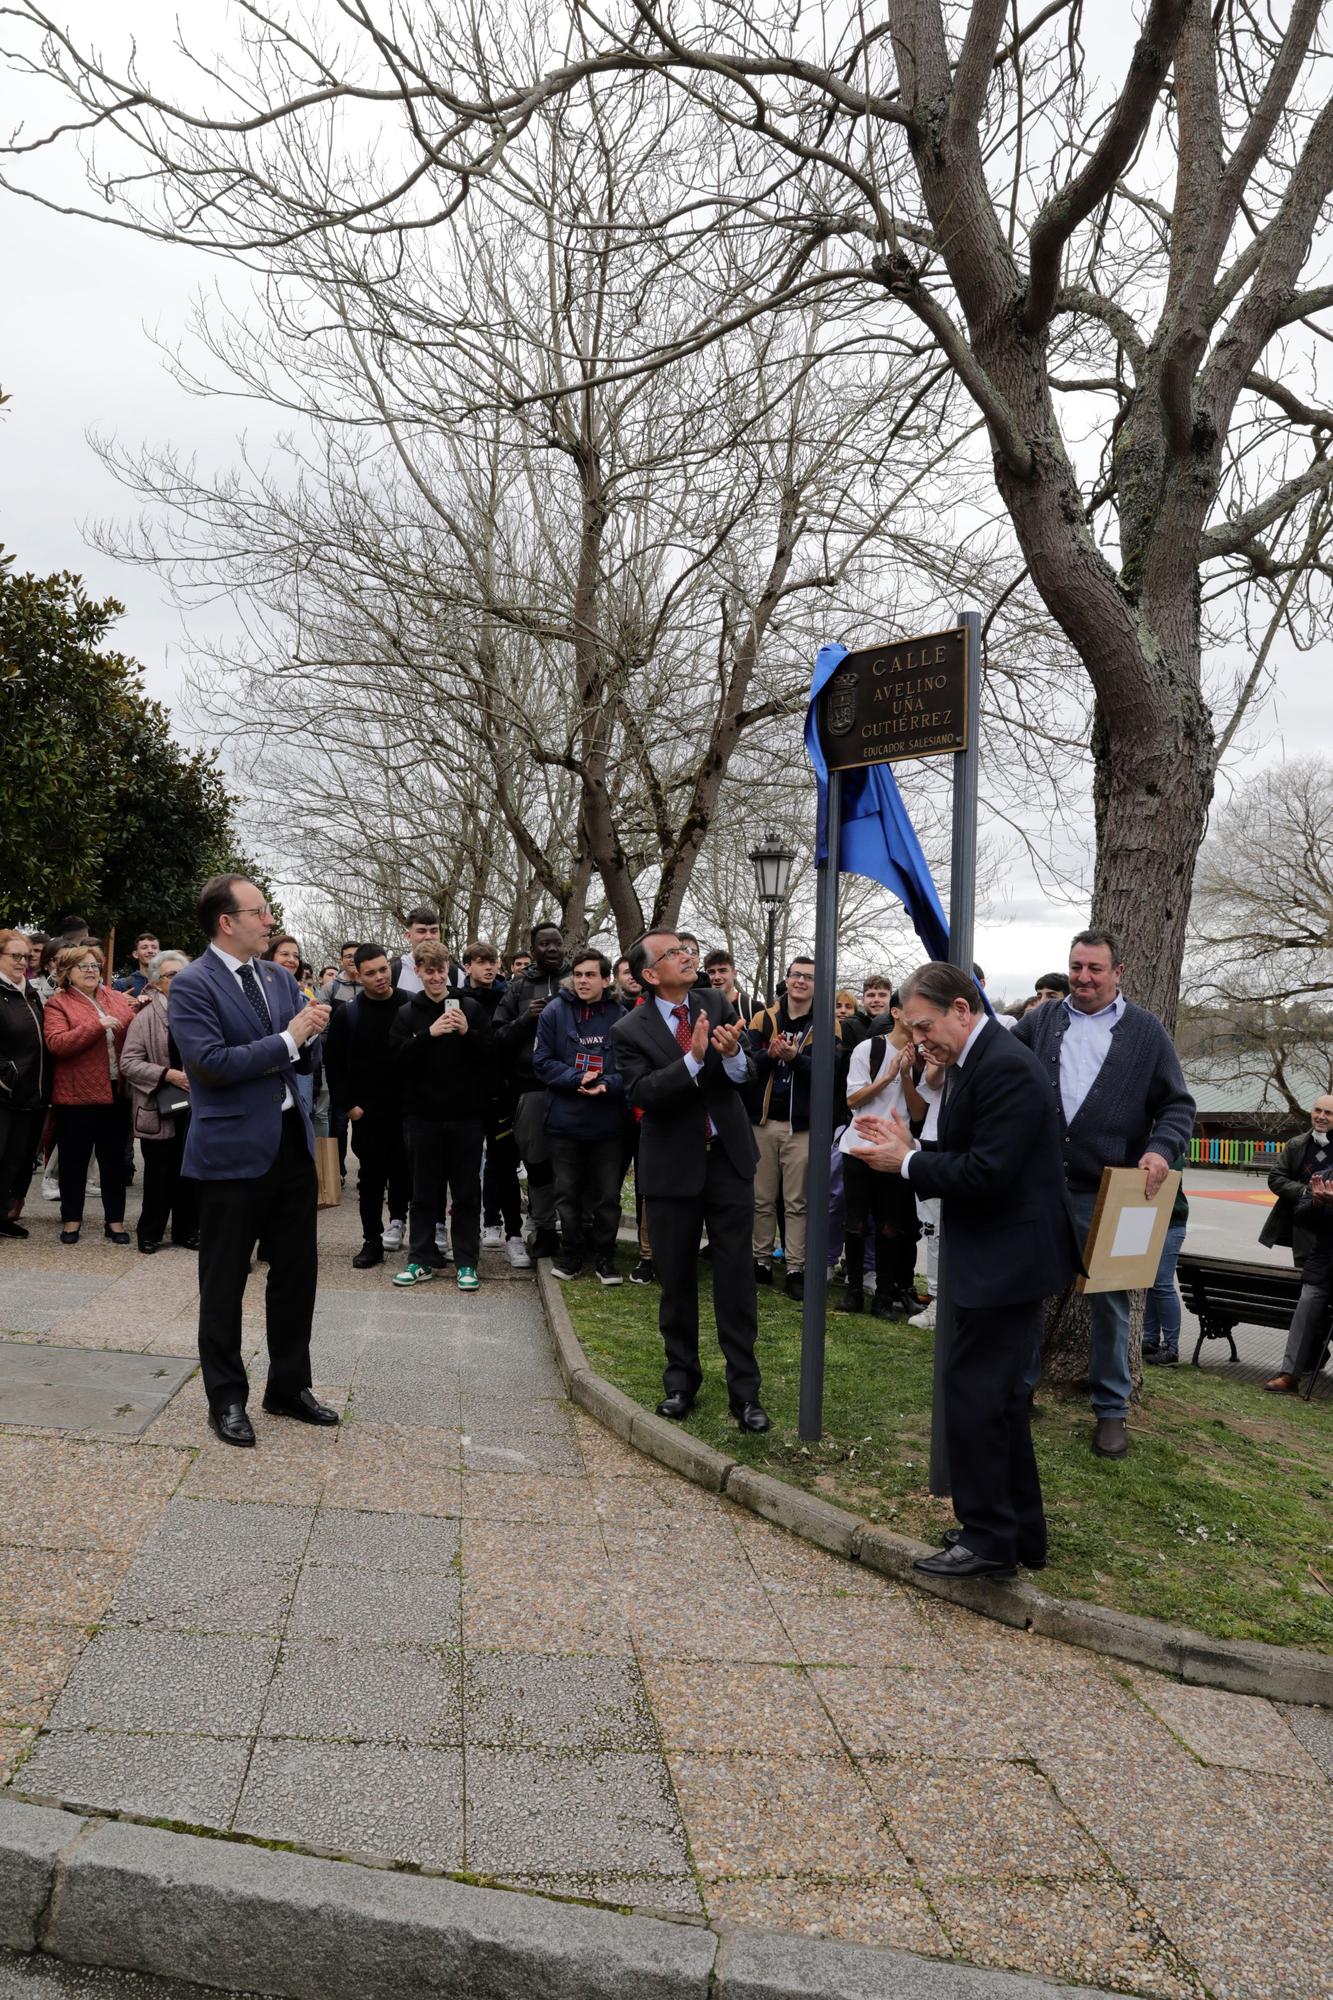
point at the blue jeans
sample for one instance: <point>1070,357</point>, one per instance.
<point>1161,1305</point>
<point>1108,1348</point>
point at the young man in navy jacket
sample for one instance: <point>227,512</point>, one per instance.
<point>585,1114</point>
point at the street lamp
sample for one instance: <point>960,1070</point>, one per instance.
<point>772,878</point>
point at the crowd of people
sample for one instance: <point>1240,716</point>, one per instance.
<point>504,1101</point>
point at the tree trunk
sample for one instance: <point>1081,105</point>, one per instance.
<point>1065,1341</point>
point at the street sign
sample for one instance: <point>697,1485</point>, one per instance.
<point>904,698</point>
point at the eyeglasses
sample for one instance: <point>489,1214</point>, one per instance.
<point>90,965</point>
<point>262,911</point>
<point>802,978</point>
<point>672,951</point>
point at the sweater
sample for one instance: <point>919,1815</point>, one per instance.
<point>574,1041</point>
<point>442,1077</point>
<point>1138,1103</point>
<point>77,1040</point>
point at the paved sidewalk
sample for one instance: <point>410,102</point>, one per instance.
<point>471,1631</point>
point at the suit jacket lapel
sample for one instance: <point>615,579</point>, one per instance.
<point>965,1078</point>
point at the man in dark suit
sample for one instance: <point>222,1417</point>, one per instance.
<point>1010,1240</point>
<point>1296,1222</point>
<point>683,1059</point>
<point>240,1024</point>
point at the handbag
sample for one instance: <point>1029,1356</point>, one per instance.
<point>328,1172</point>
<point>170,1099</point>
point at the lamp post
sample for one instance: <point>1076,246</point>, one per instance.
<point>772,876</point>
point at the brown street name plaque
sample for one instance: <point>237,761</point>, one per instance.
<point>906,698</point>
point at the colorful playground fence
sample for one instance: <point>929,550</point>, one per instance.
<point>1232,1152</point>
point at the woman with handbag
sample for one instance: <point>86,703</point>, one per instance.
<point>160,1096</point>
<point>86,1022</point>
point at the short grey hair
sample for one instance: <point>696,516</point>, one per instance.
<point>161,958</point>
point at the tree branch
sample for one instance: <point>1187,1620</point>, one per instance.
<point>1232,537</point>
<point>1125,128</point>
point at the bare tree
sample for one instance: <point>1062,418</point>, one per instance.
<point>957,173</point>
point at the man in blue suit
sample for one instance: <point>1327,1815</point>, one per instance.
<point>1011,1243</point>
<point>240,1024</point>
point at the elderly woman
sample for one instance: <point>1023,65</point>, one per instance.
<point>155,1074</point>
<point>86,1023</point>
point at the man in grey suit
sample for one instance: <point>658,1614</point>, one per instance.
<point>682,1055</point>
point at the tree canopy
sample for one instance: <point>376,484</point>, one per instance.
<point>105,812</point>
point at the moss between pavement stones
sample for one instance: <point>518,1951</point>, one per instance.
<point>1220,1519</point>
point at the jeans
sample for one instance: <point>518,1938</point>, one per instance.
<point>1108,1345</point>
<point>1161,1305</point>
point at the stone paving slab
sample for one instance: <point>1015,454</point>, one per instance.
<point>537,1658</point>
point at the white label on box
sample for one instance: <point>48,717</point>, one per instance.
<point>1133,1232</point>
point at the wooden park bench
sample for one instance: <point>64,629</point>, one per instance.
<point>1222,1295</point>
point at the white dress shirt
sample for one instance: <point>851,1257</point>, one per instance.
<point>735,1066</point>
<point>1084,1048</point>
<point>957,1063</point>
<point>234,966</point>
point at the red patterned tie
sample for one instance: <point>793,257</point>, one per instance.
<point>685,1042</point>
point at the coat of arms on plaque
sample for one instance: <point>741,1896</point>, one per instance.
<point>841,711</point>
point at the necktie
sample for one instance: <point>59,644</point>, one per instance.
<point>254,993</point>
<point>684,1040</point>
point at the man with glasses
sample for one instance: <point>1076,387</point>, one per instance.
<point>683,1058</point>
<point>240,1023</point>
<point>779,1102</point>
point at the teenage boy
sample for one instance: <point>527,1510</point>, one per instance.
<point>721,969</point>
<point>501,1200</point>
<point>880,1081</point>
<point>516,1020</point>
<point>365,1089</point>
<point>146,948</point>
<point>440,1044</point>
<point>585,1115</point>
<point>781,1038</point>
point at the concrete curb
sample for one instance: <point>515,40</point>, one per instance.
<point>1240,1666</point>
<point>226,1915</point>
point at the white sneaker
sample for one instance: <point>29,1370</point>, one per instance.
<point>493,1235</point>
<point>50,1190</point>
<point>442,1239</point>
<point>518,1254</point>
<point>925,1318</point>
<point>392,1238</point>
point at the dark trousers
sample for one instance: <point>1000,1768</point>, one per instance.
<point>282,1203</point>
<point>83,1130</point>
<point>996,1490</point>
<point>588,1173</point>
<point>20,1136</point>
<point>675,1225</point>
<point>501,1197</point>
<point>167,1196</point>
<point>446,1153</point>
<point>884,1207</point>
<point>381,1153</point>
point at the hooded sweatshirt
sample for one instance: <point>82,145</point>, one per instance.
<point>443,1077</point>
<point>573,1041</point>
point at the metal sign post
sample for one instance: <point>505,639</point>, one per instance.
<point>818,1172</point>
<point>962,924</point>
<point>903,699</point>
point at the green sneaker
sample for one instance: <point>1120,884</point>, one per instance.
<point>468,1280</point>
<point>415,1274</point>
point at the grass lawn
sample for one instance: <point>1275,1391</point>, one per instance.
<point>1221,1517</point>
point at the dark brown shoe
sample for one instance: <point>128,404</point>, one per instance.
<point>1111,1437</point>
<point>1284,1385</point>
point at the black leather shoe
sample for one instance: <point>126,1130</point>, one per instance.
<point>231,1424</point>
<point>851,1302</point>
<point>148,1248</point>
<point>763,1273</point>
<point>795,1285</point>
<point>8,1228</point>
<point>368,1256</point>
<point>884,1306</point>
<point>960,1562</point>
<point>305,1408</point>
<point>751,1416</point>
<point>675,1407</point>
<point>952,1536</point>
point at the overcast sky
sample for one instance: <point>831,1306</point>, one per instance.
<point>80,308</point>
